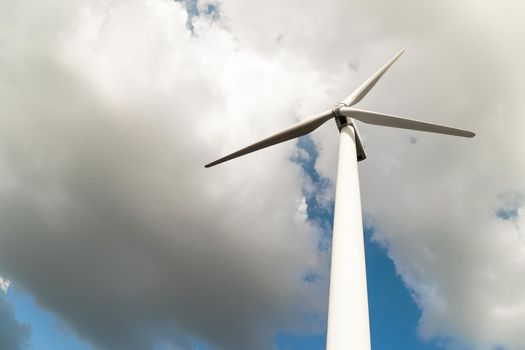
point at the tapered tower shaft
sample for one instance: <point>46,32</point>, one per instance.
<point>348,322</point>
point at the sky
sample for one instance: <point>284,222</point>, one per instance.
<point>114,236</point>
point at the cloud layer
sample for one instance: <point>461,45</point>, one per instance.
<point>109,218</point>
<point>111,108</point>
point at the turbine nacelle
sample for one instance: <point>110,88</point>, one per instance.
<point>344,114</point>
<point>341,121</point>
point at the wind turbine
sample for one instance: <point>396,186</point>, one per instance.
<point>348,322</point>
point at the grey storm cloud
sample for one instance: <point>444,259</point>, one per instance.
<point>109,219</point>
<point>110,109</point>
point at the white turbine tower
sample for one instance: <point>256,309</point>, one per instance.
<point>348,323</point>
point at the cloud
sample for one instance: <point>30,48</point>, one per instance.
<point>13,334</point>
<point>4,284</point>
<point>111,108</point>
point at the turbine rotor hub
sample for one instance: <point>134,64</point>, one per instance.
<point>336,109</point>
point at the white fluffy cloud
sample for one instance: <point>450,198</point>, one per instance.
<point>111,108</point>
<point>4,284</point>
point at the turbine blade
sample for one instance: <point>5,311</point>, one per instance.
<point>402,123</point>
<point>361,92</point>
<point>302,128</point>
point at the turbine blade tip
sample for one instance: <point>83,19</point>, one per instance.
<point>402,51</point>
